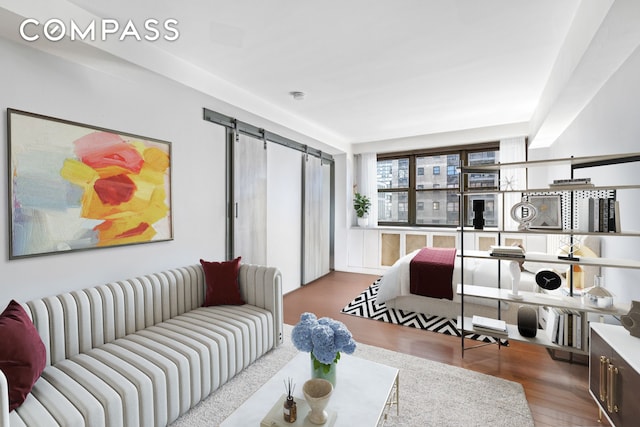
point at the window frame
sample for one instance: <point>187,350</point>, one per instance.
<point>412,190</point>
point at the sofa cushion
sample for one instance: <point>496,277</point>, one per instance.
<point>23,360</point>
<point>223,287</point>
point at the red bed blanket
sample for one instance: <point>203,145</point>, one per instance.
<point>430,272</point>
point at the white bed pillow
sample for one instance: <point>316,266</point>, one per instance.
<point>395,280</point>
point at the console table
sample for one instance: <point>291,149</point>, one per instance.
<point>614,378</point>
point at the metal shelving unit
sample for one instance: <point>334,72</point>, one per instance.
<point>540,299</point>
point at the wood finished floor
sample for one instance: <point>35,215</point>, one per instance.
<point>557,391</point>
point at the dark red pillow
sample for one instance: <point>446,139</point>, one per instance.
<point>22,353</point>
<point>223,287</point>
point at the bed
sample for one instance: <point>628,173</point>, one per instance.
<point>394,286</point>
<point>394,289</point>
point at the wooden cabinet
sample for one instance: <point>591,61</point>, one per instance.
<point>614,378</point>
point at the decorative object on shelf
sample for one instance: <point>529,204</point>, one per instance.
<point>570,247</point>
<point>527,321</point>
<point>514,270</point>
<point>317,393</point>
<point>598,295</point>
<point>574,248</point>
<point>523,213</point>
<point>631,320</point>
<point>508,183</point>
<point>548,279</point>
<point>324,339</point>
<point>290,409</point>
<point>575,277</point>
<point>548,209</point>
<point>478,212</point>
<point>361,204</point>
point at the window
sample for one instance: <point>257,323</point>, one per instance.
<point>409,196</point>
<point>393,201</point>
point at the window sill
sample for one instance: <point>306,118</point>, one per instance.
<point>407,228</point>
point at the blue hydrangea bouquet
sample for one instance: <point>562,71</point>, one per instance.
<point>324,338</point>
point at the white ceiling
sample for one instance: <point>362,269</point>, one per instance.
<point>372,70</point>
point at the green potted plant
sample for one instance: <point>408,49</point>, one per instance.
<point>361,204</point>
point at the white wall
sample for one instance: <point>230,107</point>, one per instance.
<point>132,100</point>
<point>608,125</point>
<point>37,82</point>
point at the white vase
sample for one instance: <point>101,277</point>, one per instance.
<point>514,270</point>
<point>363,221</point>
<point>317,393</point>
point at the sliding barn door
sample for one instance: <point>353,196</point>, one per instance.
<point>316,218</point>
<point>284,214</point>
<point>249,206</point>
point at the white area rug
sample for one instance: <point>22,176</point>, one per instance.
<point>431,393</point>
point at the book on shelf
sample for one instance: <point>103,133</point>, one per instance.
<point>559,333</point>
<point>564,327</point>
<point>577,341</point>
<point>600,215</point>
<point>568,329</point>
<point>582,182</point>
<point>487,331</point>
<point>489,324</point>
<point>551,327</point>
<point>506,251</point>
<point>543,316</point>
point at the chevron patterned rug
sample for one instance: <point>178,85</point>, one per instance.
<point>364,305</point>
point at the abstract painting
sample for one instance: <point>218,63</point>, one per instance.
<point>73,186</point>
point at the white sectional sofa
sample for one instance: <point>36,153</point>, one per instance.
<point>143,351</point>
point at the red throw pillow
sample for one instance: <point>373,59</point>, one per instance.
<point>223,287</point>
<point>22,353</point>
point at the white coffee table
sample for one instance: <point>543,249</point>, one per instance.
<point>364,391</point>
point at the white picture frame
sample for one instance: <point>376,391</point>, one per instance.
<point>549,212</point>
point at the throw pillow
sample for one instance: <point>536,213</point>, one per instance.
<point>22,354</point>
<point>223,287</point>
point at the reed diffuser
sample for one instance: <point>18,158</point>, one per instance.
<point>290,409</point>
